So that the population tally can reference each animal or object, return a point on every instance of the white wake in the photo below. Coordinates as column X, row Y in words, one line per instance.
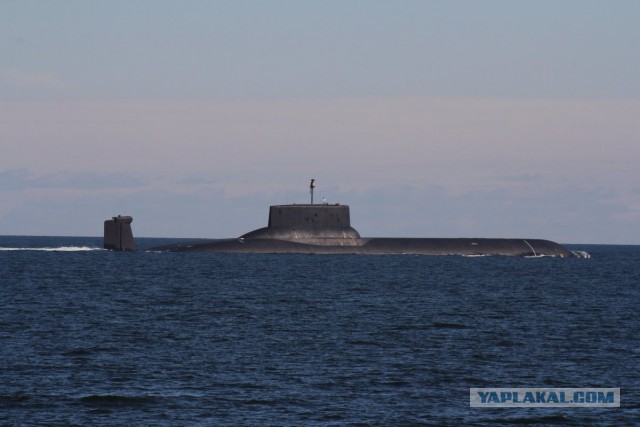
column 58, row 249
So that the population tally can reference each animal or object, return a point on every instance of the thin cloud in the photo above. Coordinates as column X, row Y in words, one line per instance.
column 30, row 80
column 526, row 177
column 23, row 179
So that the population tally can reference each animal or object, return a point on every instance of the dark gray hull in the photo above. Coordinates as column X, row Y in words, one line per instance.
column 326, row 229
column 418, row 246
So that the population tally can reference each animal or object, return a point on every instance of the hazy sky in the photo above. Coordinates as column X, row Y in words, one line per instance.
column 429, row 118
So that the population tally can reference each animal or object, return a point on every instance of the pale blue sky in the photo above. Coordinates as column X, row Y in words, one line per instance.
column 430, row 118
column 276, row 49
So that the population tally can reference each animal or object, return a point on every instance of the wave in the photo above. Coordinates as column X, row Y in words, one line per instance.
column 57, row 249
column 449, row 325
column 111, row 400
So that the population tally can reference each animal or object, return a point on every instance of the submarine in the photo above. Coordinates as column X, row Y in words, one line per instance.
column 326, row 229
column 118, row 235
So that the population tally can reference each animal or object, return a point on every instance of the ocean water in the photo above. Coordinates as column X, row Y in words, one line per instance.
column 93, row 337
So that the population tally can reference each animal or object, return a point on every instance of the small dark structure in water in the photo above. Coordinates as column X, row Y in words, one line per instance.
column 118, row 235
column 326, row 229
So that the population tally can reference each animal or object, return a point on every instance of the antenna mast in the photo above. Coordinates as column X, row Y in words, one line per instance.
column 311, row 187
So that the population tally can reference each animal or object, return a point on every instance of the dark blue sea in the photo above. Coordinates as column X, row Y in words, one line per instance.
column 93, row 337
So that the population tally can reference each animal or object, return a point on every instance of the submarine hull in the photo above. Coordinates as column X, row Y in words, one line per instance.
column 380, row 246
column 326, row 229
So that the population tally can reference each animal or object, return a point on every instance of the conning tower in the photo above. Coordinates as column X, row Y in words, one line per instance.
column 325, row 225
